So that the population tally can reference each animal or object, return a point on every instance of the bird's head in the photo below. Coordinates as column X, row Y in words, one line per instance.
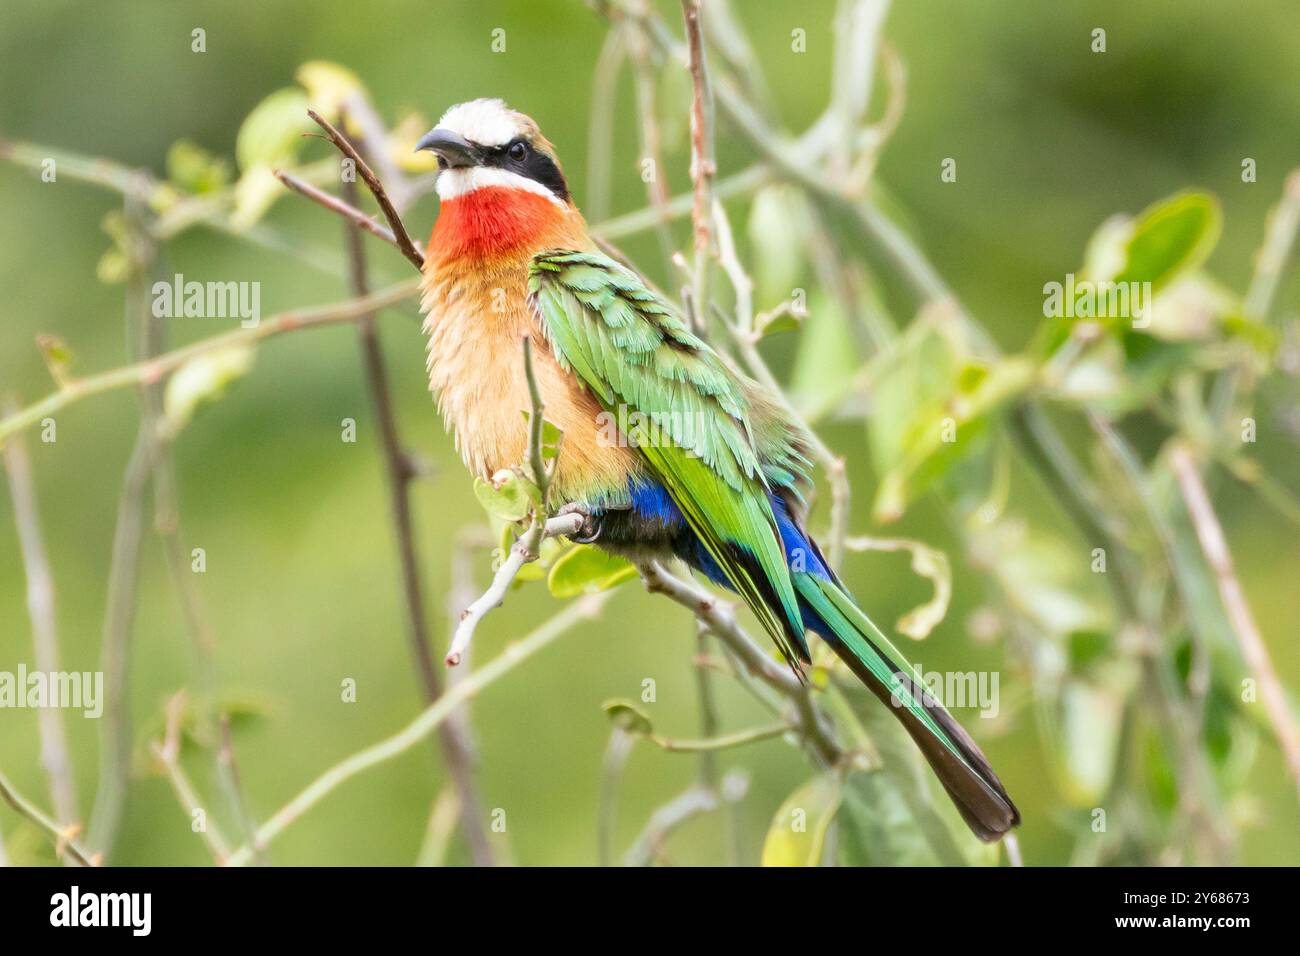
column 483, row 144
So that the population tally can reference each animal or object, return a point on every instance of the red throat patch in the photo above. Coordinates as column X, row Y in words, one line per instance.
column 491, row 221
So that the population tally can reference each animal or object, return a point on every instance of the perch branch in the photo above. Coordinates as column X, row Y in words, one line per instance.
column 719, row 618
column 522, row 553
column 525, row 549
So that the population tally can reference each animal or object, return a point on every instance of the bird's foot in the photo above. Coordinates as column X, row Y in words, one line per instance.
column 589, row 530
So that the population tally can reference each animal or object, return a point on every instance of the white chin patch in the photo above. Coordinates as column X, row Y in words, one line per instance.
column 453, row 183
column 486, row 122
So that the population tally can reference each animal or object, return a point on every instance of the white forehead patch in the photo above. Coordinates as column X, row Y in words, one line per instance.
column 485, row 122
column 453, row 183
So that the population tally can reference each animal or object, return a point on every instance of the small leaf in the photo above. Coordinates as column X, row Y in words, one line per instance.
column 1086, row 647
column 878, row 828
column 1171, row 237
column 113, row 267
column 585, row 569
column 194, row 169
column 942, row 434
column 401, row 144
column 632, row 719
column 328, row 86
column 1090, row 732
column 56, row 354
column 778, row 229
column 255, row 193
column 826, row 359
column 202, row 379
column 797, row 836
column 506, row 496
column 271, row 134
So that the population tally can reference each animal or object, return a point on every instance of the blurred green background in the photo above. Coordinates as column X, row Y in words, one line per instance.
column 301, row 586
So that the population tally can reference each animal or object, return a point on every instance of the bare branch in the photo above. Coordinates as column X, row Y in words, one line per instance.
column 703, row 167
column 45, row 638
column 398, row 473
column 168, row 754
column 336, row 205
column 64, row 838
column 153, row 369
column 1215, row 547
column 721, row 621
column 344, row 146
column 522, row 553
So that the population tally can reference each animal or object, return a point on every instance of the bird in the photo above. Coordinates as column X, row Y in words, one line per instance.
column 702, row 464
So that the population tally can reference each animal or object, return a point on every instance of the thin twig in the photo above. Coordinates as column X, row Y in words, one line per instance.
column 64, row 838
column 617, row 751
column 703, row 167
column 45, row 638
column 336, row 205
column 399, row 472
column 153, row 369
column 124, row 568
column 687, row 805
column 168, row 754
column 1215, row 547
column 232, row 783
column 344, row 146
column 542, row 526
column 523, row 552
column 583, row 608
column 721, row 621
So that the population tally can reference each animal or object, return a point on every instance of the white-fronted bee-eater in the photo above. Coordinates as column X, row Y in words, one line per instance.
column 714, row 472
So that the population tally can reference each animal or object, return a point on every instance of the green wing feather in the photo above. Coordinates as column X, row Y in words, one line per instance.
column 688, row 416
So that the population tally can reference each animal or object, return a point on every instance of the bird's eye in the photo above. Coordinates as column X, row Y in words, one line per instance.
column 518, row 150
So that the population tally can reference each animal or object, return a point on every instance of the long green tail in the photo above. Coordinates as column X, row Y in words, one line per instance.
column 956, row 760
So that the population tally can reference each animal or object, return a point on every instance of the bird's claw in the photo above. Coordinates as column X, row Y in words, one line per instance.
column 589, row 530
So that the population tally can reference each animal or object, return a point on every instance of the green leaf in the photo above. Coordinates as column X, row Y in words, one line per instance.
column 255, row 193
column 271, row 134
column 877, row 827
column 1086, row 647
column 328, row 86
column 1090, row 732
column 551, row 435
column 57, row 356
column 631, row 718
column 942, row 434
column 779, row 225
column 827, row 358
column 507, row 496
column 585, row 569
column 797, row 836
column 1171, row 237
column 203, row 379
column 194, row 170
column 949, row 841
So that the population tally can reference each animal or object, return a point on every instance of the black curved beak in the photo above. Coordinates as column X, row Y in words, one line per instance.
column 454, row 151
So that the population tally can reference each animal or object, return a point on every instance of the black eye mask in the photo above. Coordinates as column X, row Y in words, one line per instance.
column 533, row 164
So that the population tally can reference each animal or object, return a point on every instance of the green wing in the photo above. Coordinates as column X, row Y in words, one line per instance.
column 686, row 412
